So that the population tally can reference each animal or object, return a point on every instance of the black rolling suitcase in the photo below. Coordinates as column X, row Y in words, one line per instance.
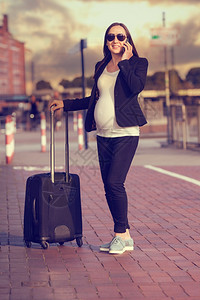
column 52, row 212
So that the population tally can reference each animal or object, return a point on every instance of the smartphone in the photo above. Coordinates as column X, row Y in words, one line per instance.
column 127, row 40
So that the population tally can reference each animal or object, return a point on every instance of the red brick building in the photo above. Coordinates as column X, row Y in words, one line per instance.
column 12, row 65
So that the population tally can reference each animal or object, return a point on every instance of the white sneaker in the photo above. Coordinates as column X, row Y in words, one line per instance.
column 105, row 247
column 119, row 246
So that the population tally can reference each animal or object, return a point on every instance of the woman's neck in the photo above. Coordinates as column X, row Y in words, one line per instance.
column 115, row 59
column 113, row 63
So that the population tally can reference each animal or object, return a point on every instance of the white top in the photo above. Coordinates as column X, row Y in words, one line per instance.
column 104, row 113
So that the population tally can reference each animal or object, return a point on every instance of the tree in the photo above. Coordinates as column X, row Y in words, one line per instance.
column 175, row 81
column 193, row 76
column 156, row 81
column 77, row 82
column 43, row 85
column 65, row 83
column 90, row 81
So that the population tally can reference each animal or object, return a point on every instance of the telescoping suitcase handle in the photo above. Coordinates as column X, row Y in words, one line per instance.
column 52, row 147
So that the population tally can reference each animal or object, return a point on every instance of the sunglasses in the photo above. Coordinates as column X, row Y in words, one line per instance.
column 121, row 37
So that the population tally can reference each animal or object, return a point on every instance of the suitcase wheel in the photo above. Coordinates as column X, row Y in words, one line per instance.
column 79, row 241
column 28, row 244
column 45, row 245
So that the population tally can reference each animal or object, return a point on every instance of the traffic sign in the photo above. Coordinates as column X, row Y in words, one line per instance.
column 76, row 48
column 163, row 36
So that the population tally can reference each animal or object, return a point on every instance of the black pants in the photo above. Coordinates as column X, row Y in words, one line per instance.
column 115, row 157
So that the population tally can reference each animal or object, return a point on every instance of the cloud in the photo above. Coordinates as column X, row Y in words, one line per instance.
column 41, row 14
column 188, row 48
column 32, row 21
column 50, row 29
column 55, row 63
column 36, row 6
column 169, row 2
column 28, row 18
column 186, row 53
column 151, row 2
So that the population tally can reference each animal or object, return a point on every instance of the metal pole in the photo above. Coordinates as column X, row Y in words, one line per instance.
column 52, row 146
column 198, row 122
column 172, row 58
column 66, row 147
column 33, row 75
column 83, row 90
column 184, row 130
column 167, row 90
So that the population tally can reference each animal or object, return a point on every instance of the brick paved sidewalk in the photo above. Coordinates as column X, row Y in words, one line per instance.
column 164, row 214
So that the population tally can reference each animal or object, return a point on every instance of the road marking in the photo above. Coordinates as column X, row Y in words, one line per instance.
column 188, row 179
column 32, row 168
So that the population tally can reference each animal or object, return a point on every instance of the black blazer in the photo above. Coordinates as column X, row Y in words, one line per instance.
column 129, row 83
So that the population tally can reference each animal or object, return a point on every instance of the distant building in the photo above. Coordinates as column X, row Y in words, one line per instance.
column 12, row 65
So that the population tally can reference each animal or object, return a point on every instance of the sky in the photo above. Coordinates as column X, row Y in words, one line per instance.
column 50, row 29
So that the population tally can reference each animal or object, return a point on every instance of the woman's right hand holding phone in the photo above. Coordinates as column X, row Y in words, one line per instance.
column 127, row 50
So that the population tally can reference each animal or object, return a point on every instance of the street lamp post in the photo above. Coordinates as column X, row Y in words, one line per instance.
column 83, row 44
column 167, row 90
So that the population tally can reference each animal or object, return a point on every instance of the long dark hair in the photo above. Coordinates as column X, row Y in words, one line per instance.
column 106, row 51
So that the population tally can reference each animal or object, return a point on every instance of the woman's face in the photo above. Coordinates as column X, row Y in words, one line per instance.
column 116, row 46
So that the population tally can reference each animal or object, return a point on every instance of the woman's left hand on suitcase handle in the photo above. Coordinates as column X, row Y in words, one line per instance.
column 56, row 104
